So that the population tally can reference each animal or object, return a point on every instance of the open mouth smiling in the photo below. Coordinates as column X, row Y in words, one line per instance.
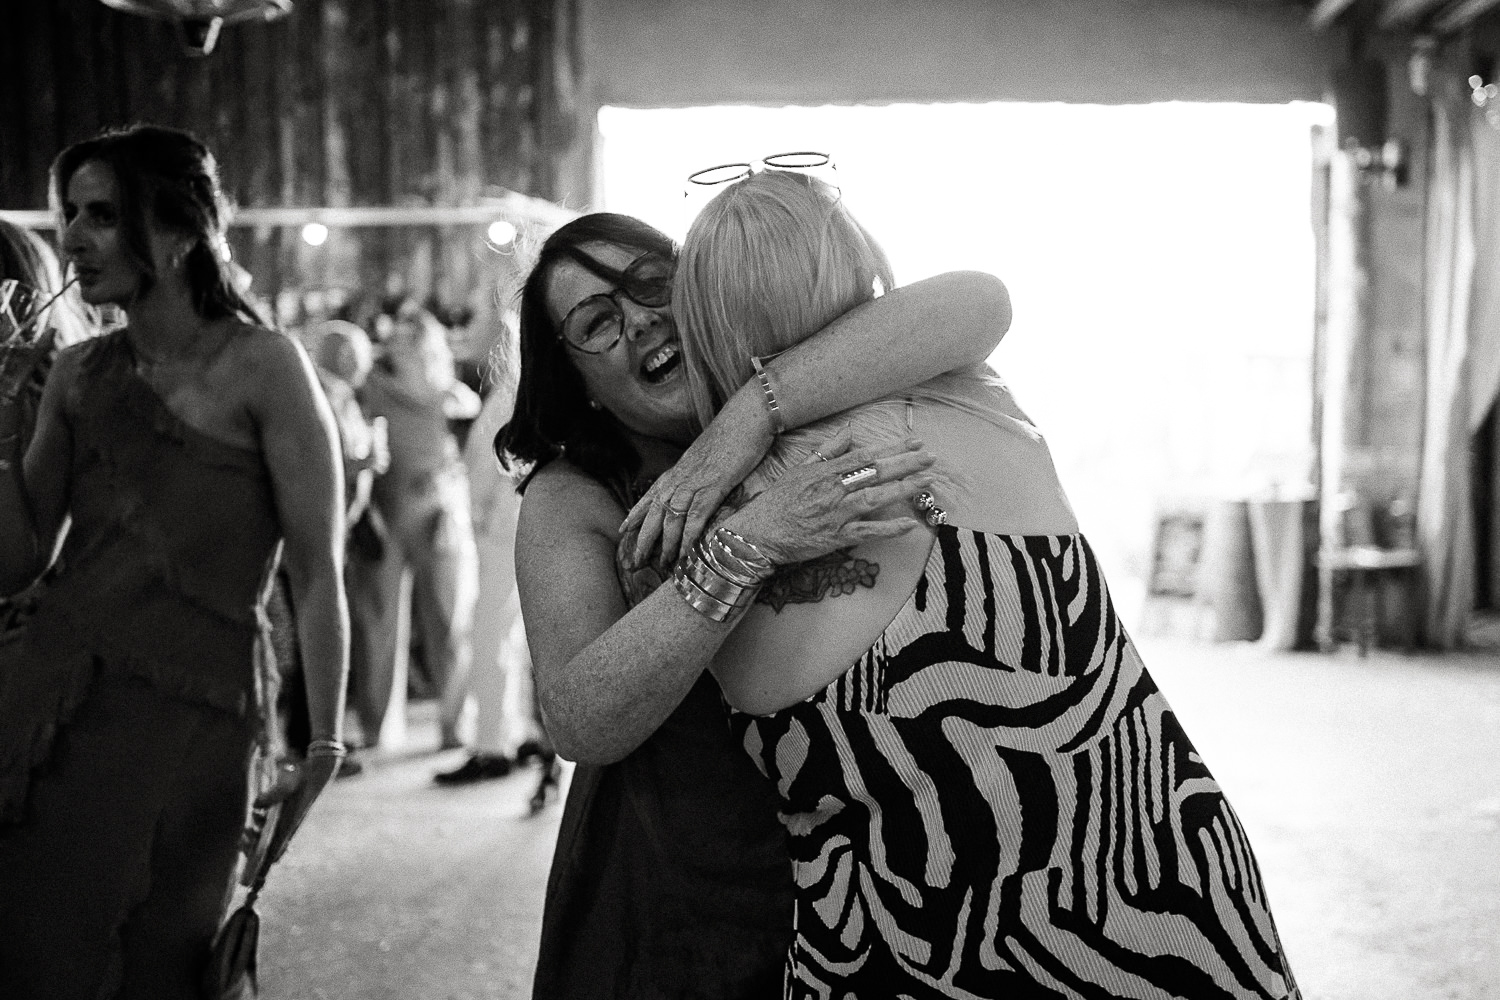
column 661, row 363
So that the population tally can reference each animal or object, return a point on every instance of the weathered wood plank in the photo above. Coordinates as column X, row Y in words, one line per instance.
column 425, row 103
column 1328, row 11
column 1398, row 13
column 1463, row 14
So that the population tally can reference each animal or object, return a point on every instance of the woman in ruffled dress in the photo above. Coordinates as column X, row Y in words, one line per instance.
column 174, row 461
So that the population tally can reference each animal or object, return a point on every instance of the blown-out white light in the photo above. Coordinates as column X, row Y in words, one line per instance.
column 1159, row 257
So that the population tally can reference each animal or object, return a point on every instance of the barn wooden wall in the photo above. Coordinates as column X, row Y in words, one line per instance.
column 344, row 102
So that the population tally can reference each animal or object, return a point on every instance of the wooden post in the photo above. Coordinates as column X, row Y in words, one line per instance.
column 1346, row 360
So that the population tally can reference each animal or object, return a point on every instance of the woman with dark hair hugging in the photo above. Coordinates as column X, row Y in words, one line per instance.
column 176, row 459
column 985, row 793
column 671, row 876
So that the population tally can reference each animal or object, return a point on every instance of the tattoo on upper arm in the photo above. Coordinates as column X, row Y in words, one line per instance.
column 833, row 575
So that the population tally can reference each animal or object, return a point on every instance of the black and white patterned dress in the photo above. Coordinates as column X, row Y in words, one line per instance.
column 996, row 801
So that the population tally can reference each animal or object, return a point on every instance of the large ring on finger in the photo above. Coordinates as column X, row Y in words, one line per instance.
column 863, row 474
column 674, row 512
column 820, row 456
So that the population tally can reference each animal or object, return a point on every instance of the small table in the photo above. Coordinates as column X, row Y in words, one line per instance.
column 1367, row 563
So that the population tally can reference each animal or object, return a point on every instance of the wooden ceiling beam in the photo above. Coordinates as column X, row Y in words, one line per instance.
column 1328, row 11
column 1402, row 12
column 1464, row 13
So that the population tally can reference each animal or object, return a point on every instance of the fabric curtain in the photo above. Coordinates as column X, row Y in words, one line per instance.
column 1444, row 521
column 1484, row 310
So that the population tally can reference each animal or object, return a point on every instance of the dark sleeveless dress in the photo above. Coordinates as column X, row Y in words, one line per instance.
column 671, row 878
column 127, row 693
column 996, row 801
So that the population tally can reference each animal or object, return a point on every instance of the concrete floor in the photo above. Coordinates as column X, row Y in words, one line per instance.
column 1370, row 788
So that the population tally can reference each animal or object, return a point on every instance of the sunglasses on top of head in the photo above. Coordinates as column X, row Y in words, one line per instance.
column 597, row 323
column 816, row 164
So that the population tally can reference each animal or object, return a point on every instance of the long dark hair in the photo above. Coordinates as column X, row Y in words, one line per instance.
column 172, row 175
column 552, row 415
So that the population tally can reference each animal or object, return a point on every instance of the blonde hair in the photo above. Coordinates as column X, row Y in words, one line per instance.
column 771, row 260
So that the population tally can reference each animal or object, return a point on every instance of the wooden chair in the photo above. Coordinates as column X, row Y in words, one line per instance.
column 1368, row 566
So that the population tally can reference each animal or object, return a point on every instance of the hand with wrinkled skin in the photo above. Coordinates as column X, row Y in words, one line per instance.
column 809, row 512
column 682, row 501
column 909, row 335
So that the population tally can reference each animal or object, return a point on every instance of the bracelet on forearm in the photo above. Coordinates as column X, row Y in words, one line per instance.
column 706, row 605
column 741, row 556
column 327, row 748
column 711, row 582
column 708, row 591
column 777, row 424
column 722, row 561
column 714, row 582
column 703, row 578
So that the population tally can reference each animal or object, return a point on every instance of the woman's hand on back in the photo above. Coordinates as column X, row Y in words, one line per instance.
column 809, row 511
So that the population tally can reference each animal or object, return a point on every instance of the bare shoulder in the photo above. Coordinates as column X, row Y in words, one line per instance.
column 270, row 353
column 268, row 370
column 561, row 489
column 561, row 498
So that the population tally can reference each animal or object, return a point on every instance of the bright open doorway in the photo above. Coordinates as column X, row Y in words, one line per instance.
column 1160, row 260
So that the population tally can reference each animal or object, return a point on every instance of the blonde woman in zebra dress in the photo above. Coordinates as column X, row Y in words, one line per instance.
column 985, row 793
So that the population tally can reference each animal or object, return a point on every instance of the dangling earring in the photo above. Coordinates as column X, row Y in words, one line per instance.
column 594, row 405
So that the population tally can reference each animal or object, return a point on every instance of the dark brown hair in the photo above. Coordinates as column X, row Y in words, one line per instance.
column 171, row 175
column 552, row 415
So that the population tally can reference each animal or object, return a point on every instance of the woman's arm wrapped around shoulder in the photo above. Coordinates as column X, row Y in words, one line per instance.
column 900, row 340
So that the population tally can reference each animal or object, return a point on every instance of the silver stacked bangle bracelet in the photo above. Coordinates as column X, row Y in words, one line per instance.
column 720, row 576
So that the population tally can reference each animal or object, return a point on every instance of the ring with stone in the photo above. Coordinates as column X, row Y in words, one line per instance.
column 863, row 474
column 821, row 457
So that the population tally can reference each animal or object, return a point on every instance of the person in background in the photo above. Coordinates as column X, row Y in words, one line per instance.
column 30, row 265
column 671, row 876
column 507, row 726
column 174, row 458
column 344, row 357
column 427, row 575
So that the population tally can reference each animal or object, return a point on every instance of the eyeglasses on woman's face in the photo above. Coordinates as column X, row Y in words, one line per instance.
column 597, row 323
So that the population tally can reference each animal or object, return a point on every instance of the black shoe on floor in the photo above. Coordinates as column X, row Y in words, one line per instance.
column 533, row 750
column 479, row 767
column 546, row 787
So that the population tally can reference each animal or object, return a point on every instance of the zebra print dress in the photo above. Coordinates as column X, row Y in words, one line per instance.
column 996, row 801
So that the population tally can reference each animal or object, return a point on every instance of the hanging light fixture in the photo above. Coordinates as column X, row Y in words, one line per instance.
column 198, row 21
